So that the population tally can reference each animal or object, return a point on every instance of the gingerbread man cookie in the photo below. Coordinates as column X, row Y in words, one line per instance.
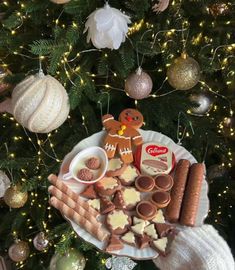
column 122, row 133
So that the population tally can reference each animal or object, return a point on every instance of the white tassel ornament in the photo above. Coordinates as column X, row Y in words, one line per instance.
column 107, row 27
column 39, row 103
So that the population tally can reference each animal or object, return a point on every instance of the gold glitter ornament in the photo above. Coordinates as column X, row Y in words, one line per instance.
column 138, row 84
column 19, row 251
column 183, row 73
column 14, row 197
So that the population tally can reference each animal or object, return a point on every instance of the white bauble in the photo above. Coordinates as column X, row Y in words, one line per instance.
column 4, row 183
column 107, row 27
column 40, row 103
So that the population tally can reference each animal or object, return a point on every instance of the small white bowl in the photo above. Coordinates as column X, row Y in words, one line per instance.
column 77, row 163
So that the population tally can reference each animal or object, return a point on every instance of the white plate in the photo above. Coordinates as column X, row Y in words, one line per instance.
column 148, row 136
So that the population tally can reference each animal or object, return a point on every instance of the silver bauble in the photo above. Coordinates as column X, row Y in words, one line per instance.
column 204, row 102
column 183, row 73
column 139, row 84
column 40, row 241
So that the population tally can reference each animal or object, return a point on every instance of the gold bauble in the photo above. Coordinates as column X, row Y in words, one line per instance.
column 19, row 251
column 60, row 1
column 183, row 73
column 14, row 197
column 219, row 8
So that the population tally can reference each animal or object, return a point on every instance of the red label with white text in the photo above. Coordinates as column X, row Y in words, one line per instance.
column 154, row 158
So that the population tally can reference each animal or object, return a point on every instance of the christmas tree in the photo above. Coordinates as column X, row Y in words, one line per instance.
column 180, row 52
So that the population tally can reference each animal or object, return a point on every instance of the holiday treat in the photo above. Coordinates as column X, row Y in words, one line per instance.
column 106, row 206
column 151, row 231
column 177, row 192
column 72, row 195
column 129, row 238
column 93, row 163
column 130, row 197
column 97, row 231
column 146, row 210
column 159, row 218
column 163, row 229
column 95, row 203
column 160, row 199
column 144, row 183
column 121, row 133
column 85, row 174
column 107, row 186
column 154, row 158
column 160, row 245
column 114, row 244
column 72, row 204
column 192, row 195
column 140, row 220
column 115, row 167
column 163, row 182
column 129, row 175
column 118, row 221
column 139, row 228
column 142, row 241
column 118, row 200
column 89, row 192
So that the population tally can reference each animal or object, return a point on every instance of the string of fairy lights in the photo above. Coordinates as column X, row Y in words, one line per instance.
column 164, row 38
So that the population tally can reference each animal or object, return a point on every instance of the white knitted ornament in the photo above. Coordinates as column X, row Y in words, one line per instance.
column 107, row 27
column 40, row 103
column 199, row 248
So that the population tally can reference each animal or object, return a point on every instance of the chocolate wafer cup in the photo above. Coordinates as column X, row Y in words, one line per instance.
column 177, row 191
column 192, row 195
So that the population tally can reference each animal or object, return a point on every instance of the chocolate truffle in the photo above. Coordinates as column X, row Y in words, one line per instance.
column 85, row 174
column 163, row 182
column 93, row 163
column 146, row 210
column 144, row 183
column 160, row 199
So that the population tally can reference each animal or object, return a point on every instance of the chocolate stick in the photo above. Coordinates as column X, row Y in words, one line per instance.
column 192, row 195
column 177, row 192
column 74, row 196
column 97, row 232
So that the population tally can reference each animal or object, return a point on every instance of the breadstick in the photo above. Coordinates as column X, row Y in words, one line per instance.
column 72, row 195
column 98, row 233
column 192, row 195
column 177, row 192
column 65, row 198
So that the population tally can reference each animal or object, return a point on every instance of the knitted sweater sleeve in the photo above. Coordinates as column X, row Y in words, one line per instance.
column 197, row 248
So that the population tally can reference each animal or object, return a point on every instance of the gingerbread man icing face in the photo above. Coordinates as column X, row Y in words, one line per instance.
column 131, row 117
column 122, row 134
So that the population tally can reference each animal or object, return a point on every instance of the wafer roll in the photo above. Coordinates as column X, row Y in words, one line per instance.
column 72, row 204
column 97, row 232
column 192, row 195
column 72, row 195
column 177, row 191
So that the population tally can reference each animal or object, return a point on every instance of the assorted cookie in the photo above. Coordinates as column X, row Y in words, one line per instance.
column 107, row 186
column 118, row 221
column 129, row 175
